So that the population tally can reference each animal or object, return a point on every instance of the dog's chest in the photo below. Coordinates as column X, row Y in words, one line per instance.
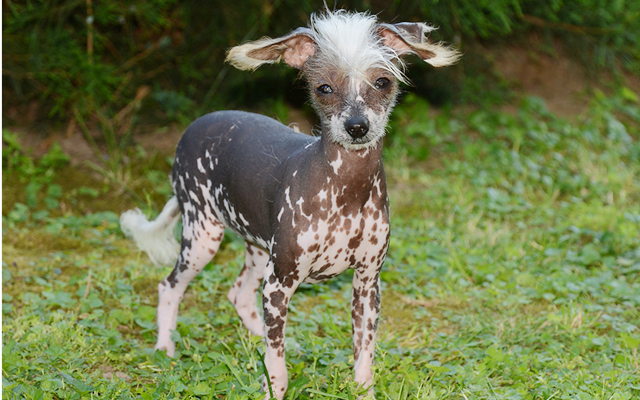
column 331, row 236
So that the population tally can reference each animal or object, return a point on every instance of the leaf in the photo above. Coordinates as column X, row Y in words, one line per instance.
column 629, row 95
column 629, row 341
column 146, row 313
column 589, row 254
column 6, row 274
column 51, row 203
column 20, row 213
column 437, row 369
column 54, row 190
column 7, row 308
column 32, row 190
column 201, row 389
column 80, row 386
column 62, row 299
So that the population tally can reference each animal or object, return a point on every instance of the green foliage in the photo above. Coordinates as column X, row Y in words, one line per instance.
column 599, row 32
column 15, row 160
column 513, row 272
column 38, row 176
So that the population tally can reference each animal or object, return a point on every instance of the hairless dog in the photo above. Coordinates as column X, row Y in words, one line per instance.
column 308, row 207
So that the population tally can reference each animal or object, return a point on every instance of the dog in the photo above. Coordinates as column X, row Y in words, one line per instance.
column 308, row 207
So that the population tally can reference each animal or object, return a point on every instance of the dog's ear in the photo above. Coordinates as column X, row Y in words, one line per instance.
column 411, row 38
column 294, row 48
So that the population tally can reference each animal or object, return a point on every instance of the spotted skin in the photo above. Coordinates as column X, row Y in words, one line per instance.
column 308, row 207
column 243, row 292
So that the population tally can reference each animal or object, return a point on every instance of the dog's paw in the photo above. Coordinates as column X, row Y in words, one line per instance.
column 169, row 348
column 255, row 326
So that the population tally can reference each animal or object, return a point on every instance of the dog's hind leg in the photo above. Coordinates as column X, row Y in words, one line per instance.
column 243, row 292
column 200, row 242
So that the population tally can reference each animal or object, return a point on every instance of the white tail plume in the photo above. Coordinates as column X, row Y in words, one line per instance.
column 154, row 237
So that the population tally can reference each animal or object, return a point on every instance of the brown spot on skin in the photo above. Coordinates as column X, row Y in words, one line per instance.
column 370, row 325
column 314, row 247
column 276, row 330
column 277, row 301
column 367, row 211
column 254, row 315
column 355, row 241
column 356, row 352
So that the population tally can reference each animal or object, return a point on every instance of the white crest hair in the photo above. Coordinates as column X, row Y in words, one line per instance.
column 349, row 41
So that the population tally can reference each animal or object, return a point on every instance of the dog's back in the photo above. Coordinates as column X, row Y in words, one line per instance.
column 223, row 161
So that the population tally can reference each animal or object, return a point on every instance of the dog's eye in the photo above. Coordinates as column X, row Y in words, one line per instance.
column 324, row 89
column 382, row 83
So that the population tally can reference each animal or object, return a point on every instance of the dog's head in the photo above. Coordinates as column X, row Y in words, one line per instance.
column 352, row 65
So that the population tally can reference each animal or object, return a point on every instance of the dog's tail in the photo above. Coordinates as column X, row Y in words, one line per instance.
column 154, row 237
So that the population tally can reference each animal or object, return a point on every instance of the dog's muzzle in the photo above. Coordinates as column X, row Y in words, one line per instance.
column 357, row 127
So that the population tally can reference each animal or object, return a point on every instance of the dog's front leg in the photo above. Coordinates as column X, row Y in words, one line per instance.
column 276, row 294
column 365, row 308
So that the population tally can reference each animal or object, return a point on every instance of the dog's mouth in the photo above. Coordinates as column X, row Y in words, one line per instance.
column 354, row 132
column 357, row 143
column 361, row 140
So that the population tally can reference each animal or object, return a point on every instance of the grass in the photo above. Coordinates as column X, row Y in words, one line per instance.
column 513, row 273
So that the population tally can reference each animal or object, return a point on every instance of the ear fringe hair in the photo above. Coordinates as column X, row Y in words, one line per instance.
column 445, row 55
column 238, row 55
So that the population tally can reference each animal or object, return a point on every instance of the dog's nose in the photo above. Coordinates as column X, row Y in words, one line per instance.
column 357, row 127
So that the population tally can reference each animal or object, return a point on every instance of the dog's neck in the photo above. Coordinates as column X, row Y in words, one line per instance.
column 353, row 170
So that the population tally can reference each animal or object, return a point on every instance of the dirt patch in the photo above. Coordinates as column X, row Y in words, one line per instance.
column 163, row 140
column 554, row 76
column 558, row 80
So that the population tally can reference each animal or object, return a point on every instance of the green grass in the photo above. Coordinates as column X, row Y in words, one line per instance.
column 513, row 273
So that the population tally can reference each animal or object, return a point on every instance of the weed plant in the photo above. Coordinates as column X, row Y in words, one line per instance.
column 513, row 273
